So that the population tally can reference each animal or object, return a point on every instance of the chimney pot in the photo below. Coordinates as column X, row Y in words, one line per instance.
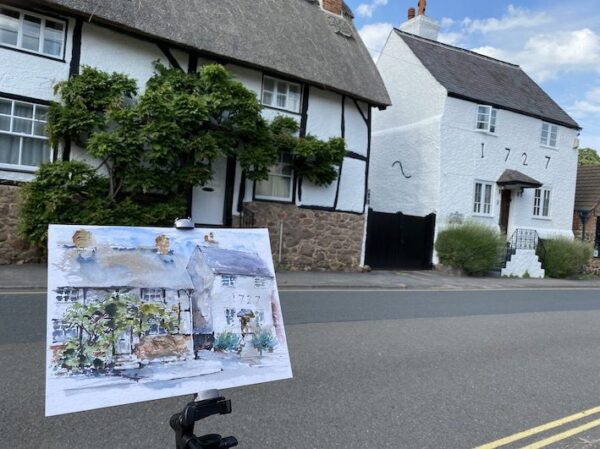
column 333, row 6
column 411, row 13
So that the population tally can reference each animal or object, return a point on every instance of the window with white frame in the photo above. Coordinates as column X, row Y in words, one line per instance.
column 281, row 94
column 279, row 186
column 541, row 203
column 67, row 295
column 32, row 32
column 260, row 282
column 153, row 295
column 23, row 141
column 486, row 118
column 549, row 136
column 482, row 203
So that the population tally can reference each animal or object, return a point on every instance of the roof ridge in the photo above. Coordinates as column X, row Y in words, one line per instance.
column 458, row 49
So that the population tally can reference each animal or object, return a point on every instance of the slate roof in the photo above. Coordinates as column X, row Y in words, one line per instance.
column 226, row 261
column 516, row 178
column 289, row 37
column 587, row 193
column 474, row 77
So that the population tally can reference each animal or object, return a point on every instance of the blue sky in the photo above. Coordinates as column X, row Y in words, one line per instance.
column 556, row 42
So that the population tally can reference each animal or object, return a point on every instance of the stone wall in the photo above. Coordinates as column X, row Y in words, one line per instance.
column 312, row 239
column 12, row 248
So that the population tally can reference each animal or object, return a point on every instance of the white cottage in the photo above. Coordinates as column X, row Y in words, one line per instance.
column 303, row 59
column 467, row 137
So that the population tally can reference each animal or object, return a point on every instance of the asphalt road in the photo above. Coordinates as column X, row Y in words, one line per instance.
column 395, row 369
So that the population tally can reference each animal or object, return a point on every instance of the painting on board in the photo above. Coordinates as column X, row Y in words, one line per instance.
column 137, row 314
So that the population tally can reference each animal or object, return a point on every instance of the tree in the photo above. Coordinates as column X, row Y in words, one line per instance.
column 588, row 156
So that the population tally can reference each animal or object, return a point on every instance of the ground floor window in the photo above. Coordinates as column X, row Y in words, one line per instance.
column 279, row 186
column 541, row 203
column 482, row 203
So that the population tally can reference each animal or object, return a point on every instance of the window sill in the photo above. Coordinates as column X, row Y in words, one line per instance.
column 274, row 200
column 19, row 168
column 275, row 108
column 547, row 147
column 542, row 218
column 482, row 215
column 487, row 133
column 33, row 53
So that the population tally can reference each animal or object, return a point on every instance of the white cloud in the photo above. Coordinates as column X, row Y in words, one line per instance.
column 514, row 18
column 451, row 38
column 375, row 35
column 589, row 107
column 367, row 9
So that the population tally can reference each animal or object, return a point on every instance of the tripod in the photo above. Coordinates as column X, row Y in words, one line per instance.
column 210, row 403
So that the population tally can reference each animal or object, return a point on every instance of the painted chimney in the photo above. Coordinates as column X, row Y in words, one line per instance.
column 421, row 25
column 333, row 6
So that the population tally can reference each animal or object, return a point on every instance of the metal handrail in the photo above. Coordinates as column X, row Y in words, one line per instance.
column 525, row 239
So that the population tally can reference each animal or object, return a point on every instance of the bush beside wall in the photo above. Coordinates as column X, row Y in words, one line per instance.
column 471, row 247
column 563, row 257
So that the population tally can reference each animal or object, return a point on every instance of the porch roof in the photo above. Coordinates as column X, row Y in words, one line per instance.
column 516, row 179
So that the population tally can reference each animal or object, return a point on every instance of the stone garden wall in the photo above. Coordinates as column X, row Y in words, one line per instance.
column 13, row 250
column 312, row 239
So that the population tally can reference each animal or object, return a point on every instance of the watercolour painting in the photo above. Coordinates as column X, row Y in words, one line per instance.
column 137, row 314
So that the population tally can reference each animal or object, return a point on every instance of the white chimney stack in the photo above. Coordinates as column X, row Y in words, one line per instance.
column 421, row 25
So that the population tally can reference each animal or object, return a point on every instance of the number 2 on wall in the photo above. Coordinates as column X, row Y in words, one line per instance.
column 524, row 156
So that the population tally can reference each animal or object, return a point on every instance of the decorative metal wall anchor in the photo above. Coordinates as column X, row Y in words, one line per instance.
column 401, row 169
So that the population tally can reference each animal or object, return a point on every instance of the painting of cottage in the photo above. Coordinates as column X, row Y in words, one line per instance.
column 157, row 313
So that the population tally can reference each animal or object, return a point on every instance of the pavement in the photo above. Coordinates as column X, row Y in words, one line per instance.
column 34, row 277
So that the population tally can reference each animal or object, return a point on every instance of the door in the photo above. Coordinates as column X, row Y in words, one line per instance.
column 505, row 209
column 398, row 241
column 208, row 201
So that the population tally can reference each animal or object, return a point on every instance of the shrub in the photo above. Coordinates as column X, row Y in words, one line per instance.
column 227, row 342
column 73, row 193
column 563, row 257
column 472, row 247
column 264, row 340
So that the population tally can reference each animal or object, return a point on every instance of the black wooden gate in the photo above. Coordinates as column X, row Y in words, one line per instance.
column 399, row 241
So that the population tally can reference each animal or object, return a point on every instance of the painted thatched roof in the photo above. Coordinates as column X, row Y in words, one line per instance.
column 587, row 193
column 517, row 179
column 474, row 77
column 226, row 261
column 295, row 38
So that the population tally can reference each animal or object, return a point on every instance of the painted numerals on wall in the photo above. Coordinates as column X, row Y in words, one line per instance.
column 507, row 154
column 524, row 156
column 548, row 158
column 401, row 169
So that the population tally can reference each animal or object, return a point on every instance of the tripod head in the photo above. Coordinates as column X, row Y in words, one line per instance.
column 183, row 423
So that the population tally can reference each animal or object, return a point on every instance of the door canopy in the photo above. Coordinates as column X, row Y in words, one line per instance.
column 513, row 179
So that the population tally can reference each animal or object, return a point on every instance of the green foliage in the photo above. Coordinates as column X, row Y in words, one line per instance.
column 472, row 247
column 588, row 156
column 99, row 324
column 227, row 342
column 264, row 340
column 563, row 257
column 74, row 193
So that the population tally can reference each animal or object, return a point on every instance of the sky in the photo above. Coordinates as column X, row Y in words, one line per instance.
column 556, row 42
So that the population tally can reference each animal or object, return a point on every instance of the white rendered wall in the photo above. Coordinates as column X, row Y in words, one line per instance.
column 356, row 130
column 408, row 132
column 352, row 186
column 461, row 164
column 111, row 51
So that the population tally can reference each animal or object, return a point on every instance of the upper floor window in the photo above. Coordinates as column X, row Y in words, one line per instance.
column 32, row 32
column 23, row 142
column 482, row 203
column 549, row 135
column 279, row 186
column 541, row 203
column 486, row 118
column 281, row 94
column 228, row 280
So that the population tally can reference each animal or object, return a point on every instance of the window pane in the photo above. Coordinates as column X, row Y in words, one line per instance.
column 280, row 101
column 546, row 207
column 53, row 38
column 22, row 126
column 9, row 26
column 269, row 85
column 281, row 187
column 282, row 88
column 4, row 123
column 35, row 151
column 5, row 107
column 9, row 149
column 265, row 188
column 24, row 110
column 493, row 121
column 294, row 99
column 488, row 199
column 268, row 98
column 41, row 113
column 39, row 129
column 31, row 33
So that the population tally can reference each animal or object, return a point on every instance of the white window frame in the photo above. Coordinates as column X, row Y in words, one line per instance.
column 19, row 46
column 20, row 166
column 228, row 280
column 274, row 93
column 481, row 207
column 67, row 295
column 277, row 171
column 549, row 129
column 542, row 203
column 490, row 125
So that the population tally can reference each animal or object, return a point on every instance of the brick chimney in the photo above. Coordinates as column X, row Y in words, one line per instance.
column 333, row 6
column 411, row 13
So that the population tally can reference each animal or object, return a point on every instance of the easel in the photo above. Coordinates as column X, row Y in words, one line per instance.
column 206, row 404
